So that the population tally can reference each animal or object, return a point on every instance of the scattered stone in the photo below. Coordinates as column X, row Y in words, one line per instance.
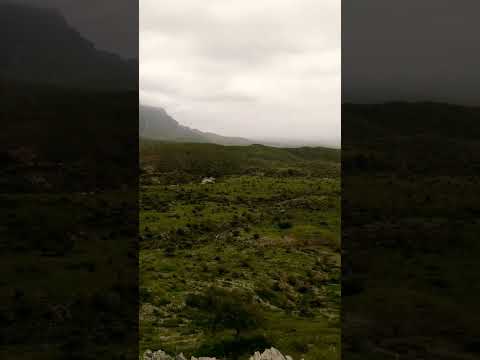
column 156, row 355
column 148, row 169
column 268, row 354
column 208, row 180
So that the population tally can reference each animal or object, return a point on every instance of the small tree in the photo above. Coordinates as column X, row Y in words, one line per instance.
column 228, row 309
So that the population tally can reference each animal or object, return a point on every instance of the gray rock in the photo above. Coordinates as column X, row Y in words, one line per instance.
column 180, row 357
column 156, row 355
column 268, row 354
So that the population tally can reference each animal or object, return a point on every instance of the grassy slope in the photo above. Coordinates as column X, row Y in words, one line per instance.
column 410, row 231
column 229, row 234
column 60, row 253
column 210, row 159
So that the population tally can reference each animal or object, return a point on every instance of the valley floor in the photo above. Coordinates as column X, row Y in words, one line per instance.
column 264, row 250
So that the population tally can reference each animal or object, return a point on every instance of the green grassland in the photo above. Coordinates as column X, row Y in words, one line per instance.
column 410, row 231
column 263, row 240
column 185, row 162
column 67, row 288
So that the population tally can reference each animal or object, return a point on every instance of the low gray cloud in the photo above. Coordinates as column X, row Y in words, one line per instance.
column 264, row 68
column 411, row 50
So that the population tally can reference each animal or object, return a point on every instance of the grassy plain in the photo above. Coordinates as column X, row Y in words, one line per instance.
column 66, row 272
column 410, row 231
column 266, row 233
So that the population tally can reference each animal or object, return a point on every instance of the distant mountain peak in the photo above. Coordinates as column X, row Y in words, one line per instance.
column 156, row 124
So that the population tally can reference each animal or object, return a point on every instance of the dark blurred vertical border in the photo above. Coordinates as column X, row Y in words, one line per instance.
column 410, row 173
column 68, row 179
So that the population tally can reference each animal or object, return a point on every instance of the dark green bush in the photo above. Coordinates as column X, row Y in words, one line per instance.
column 285, row 225
column 233, row 348
column 227, row 309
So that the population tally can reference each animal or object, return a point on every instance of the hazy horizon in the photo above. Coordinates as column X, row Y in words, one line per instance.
column 263, row 69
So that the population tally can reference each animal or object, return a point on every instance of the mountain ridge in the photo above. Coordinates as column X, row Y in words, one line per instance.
column 156, row 124
column 50, row 51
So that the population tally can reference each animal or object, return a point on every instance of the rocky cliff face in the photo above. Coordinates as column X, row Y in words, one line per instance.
column 268, row 354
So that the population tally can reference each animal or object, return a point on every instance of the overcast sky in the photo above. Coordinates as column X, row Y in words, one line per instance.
column 411, row 50
column 252, row 68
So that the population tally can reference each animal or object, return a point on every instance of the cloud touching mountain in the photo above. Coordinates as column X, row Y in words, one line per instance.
column 156, row 124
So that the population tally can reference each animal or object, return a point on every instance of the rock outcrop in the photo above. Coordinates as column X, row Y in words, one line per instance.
column 268, row 354
column 156, row 355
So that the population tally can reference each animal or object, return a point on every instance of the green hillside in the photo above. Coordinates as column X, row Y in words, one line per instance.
column 410, row 231
column 216, row 160
column 245, row 262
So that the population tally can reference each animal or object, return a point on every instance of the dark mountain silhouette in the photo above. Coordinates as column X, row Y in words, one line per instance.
column 156, row 124
column 63, row 102
column 39, row 46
